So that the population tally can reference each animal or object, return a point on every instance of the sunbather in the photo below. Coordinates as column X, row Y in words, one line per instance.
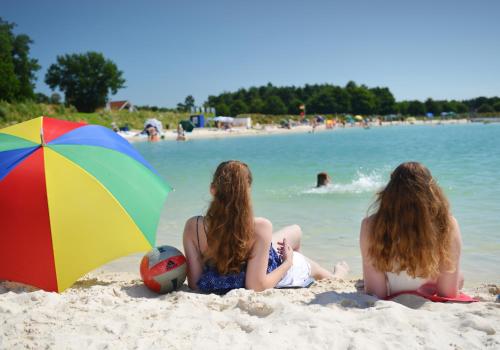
column 411, row 241
column 229, row 248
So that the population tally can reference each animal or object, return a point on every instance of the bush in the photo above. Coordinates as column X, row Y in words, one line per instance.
column 496, row 107
column 485, row 108
column 3, row 113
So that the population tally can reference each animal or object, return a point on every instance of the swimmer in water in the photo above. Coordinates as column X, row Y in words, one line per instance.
column 323, row 179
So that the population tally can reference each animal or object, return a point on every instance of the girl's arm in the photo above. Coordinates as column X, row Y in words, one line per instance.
column 374, row 280
column 193, row 255
column 449, row 281
column 257, row 277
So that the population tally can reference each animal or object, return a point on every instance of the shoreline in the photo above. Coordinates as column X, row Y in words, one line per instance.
column 115, row 310
column 210, row 133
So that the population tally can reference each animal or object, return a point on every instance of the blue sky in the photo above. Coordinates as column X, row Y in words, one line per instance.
column 169, row 49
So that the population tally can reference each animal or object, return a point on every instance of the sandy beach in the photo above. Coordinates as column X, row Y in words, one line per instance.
column 108, row 310
column 207, row 133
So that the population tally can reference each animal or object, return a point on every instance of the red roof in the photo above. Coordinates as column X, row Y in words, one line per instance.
column 117, row 104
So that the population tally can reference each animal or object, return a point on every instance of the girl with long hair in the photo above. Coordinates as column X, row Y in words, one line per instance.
column 411, row 241
column 228, row 248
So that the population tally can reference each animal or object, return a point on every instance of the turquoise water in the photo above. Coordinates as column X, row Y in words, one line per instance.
column 465, row 159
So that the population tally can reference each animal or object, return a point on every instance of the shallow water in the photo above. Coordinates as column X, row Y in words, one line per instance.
column 465, row 159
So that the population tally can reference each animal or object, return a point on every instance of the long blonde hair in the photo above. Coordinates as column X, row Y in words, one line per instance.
column 230, row 221
column 411, row 228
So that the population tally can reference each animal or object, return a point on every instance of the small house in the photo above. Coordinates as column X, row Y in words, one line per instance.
column 120, row 105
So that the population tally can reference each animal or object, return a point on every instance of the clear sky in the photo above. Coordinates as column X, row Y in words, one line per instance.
column 168, row 49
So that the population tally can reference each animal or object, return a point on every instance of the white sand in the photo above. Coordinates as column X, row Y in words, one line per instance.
column 206, row 133
column 115, row 311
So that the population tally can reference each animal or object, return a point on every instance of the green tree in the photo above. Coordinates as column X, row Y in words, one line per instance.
column 293, row 107
column 189, row 102
column 238, row 107
column 384, row 101
column 402, row 107
column 416, row 108
column 222, row 109
column 459, row 107
column 496, row 107
column 342, row 100
column 86, row 79
column 362, row 101
column 24, row 66
column 485, row 108
column 274, row 105
column 17, row 69
column 433, row 107
column 41, row 98
column 55, row 98
column 322, row 103
column 9, row 84
column 256, row 105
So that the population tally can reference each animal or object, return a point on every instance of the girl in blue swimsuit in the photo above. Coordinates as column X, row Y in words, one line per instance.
column 228, row 248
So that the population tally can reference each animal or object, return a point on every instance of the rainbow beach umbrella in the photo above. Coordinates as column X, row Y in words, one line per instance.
column 72, row 197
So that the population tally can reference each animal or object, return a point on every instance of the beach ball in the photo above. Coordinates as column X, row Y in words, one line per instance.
column 163, row 269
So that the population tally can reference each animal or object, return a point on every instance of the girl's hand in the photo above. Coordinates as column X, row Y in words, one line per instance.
column 286, row 252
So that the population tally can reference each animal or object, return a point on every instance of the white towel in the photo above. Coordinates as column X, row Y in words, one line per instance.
column 298, row 274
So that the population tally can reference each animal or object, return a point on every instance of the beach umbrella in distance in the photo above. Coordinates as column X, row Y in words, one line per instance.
column 187, row 125
column 72, row 198
column 358, row 117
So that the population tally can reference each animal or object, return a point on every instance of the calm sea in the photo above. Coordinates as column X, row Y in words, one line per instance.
column 465, row 159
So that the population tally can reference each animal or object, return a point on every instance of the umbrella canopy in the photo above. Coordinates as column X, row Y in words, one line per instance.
column 154, row 122
column 73, row 197
column 224, row 119
column 358, row 117
column 187, row 125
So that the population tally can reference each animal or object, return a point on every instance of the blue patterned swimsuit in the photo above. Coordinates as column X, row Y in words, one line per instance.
column 213, row 282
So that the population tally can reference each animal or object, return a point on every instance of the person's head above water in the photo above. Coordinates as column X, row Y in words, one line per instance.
column 230, row 217
column 412, row 224
column 322, row 179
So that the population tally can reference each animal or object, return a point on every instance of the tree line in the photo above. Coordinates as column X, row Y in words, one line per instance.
column 87, row 80
column 331, row 99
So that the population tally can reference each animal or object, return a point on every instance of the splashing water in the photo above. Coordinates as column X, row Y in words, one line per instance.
column 361, row 183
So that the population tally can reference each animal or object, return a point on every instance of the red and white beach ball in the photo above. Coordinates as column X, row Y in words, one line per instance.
column 163, row 269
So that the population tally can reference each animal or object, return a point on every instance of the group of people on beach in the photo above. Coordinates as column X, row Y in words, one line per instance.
column 409, row 241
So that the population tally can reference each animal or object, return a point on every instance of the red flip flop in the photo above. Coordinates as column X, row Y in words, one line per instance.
column 460, row 298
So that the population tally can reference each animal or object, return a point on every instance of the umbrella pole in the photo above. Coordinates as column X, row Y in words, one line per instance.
column 42, row 141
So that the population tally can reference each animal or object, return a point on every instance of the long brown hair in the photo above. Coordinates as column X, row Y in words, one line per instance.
column 411, row 227
column 230, row 221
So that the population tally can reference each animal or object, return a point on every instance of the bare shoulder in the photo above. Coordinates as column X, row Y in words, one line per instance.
column 190, row 227
column 367, row 221
column 455, row 229
column 366, row 224
column 263, row 229
column 364, row 233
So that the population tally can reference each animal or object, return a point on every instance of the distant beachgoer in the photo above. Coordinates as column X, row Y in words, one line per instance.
column 229, row 248
column 323, row 179
column 314, row 124
column 411, row 242
column 114, row 127
column 181, row 136
column 152, row 133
